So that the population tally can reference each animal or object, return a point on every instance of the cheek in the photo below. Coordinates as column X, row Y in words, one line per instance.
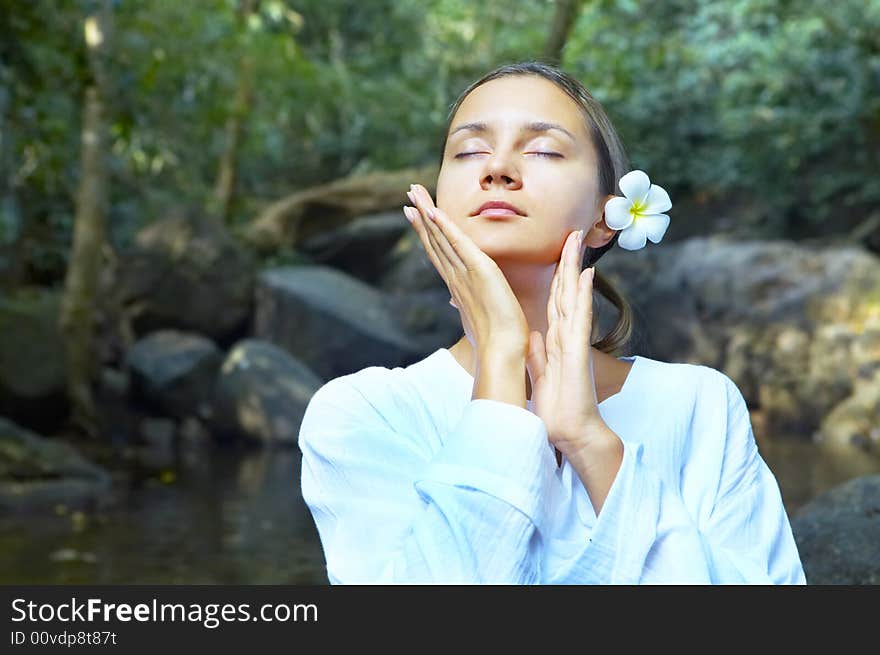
column 453, row 195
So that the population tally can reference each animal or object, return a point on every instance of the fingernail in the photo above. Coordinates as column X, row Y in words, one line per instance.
column 430, row 213
column 407, row 214
column 409, row 195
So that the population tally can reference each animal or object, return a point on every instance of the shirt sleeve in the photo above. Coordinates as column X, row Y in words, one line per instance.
column 646, row 534
column 388, row 512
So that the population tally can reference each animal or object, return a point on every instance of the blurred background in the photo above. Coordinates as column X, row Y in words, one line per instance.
column 200, row 224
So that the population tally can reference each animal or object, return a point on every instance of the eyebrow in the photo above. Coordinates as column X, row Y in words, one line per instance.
column 534, row 126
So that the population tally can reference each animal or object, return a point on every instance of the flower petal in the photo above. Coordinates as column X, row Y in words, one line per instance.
column 635, row 185
column 657, row 201
column 633, row 237
column 655, row 226
column 617, row 214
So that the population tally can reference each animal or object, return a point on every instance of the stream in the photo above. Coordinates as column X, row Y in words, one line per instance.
column 233, row 516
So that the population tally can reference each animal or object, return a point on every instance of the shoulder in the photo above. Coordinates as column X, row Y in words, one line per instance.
column 700, row 404
column 372, row 401
column 684, row 387
column 347, row 397
column 715, row 448
column 377, row 387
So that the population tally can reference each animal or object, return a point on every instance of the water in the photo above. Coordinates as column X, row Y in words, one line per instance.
column 227, row 516
column 804, row 470
column 223, row 516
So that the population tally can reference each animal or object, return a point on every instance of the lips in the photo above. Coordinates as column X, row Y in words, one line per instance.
column 497, row 208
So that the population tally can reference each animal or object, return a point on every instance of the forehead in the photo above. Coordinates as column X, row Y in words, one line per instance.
column 510, row 102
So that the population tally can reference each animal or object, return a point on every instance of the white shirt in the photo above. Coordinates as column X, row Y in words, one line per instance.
column 408, row 480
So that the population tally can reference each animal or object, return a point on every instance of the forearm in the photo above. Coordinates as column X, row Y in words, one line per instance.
column 597, row 464
column 500, row 375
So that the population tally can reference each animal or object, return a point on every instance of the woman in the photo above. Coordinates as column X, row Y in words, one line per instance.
column 522, row 454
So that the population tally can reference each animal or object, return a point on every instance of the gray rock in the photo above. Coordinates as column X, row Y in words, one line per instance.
column 334, row 323
column 409, row 269
column 174, row 372
column 354, row 246
column 38, row 473
column 185, row 272
column 261, row 394
column 855, row 422
column 157, row 448
column 794, row 326
column 838, row 534
column 426, row 317
column 32, row 359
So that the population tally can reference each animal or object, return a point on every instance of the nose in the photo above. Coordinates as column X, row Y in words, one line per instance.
column 500, row 171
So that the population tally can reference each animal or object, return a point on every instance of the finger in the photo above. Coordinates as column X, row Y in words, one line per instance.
column 421, row 229
column 572, row 270
column 584, row 312
column 436, row 239
column 439, row 240
column 551, row 345
column 552, row 350
column 564, row 265
column 464, row 252
column 572, row 275
column 418, row 222
column 560, row 272
column 552, row 305
column 567, row 285
column 537, row 358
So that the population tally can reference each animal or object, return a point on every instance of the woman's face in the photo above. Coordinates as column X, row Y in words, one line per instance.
column 556, row 191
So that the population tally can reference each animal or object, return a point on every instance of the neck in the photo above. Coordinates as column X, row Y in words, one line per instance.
column 531, row 285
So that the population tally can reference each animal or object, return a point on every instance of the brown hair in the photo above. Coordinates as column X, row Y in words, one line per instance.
column 613, row 164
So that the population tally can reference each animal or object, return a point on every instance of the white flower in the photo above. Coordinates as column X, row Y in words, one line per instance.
column 640, row 213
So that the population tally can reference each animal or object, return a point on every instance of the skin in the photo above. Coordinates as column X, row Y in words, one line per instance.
column 517, row 281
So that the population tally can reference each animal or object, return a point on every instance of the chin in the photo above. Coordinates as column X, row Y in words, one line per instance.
column 515, row 253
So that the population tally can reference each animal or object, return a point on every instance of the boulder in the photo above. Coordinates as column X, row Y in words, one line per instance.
column 838, row 534
column 261, row 394
column 37, row 473
column 184, row 272
column 358, row 247
column 409, row 270
column 32, row 359
column 796, row 327
column 855, row 422
column 173, row 373
column 332, row 322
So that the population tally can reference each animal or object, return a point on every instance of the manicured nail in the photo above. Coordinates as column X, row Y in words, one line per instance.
column 431, row 214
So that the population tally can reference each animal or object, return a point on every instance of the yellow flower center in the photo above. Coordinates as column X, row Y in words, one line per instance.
column 636, row 209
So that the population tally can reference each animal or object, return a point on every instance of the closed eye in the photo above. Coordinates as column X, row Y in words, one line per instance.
column 542, row 154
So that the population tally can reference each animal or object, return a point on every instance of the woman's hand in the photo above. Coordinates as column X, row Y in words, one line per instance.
column 561, row 374
column 490, row 312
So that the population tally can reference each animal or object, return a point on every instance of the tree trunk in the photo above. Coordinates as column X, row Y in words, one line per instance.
column 564, row 19
column 77, row 315
column 224, row 188
column 289, row 220
column 11, row 227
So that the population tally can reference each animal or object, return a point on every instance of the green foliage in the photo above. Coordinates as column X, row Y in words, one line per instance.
column 774, row 101
column 771, row 99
